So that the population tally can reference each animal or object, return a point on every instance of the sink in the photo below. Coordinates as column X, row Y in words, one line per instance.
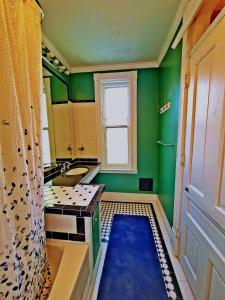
column 77, row 171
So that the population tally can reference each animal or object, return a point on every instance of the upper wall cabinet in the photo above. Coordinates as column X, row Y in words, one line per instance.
column 85, row 128
column 72, row 126
column 62, row 130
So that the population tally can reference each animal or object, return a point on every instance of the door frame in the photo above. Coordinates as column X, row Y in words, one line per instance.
column 181, row 140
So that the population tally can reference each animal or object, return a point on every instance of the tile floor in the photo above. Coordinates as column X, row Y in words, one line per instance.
column 174, row 278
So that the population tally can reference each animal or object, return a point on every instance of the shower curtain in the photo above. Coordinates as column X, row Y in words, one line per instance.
column 24, row 270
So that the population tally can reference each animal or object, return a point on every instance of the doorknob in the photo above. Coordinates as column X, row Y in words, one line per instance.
column 186, row 189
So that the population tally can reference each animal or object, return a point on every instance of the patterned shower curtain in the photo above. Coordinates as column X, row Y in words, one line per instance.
column 23, row 261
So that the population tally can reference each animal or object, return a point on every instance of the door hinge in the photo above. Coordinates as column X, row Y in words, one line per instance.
column 187, row 80
column 182, row 159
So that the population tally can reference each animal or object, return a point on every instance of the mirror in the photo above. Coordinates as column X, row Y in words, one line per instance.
column 55, row 117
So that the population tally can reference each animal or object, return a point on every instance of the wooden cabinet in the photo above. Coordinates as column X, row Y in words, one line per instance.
column 75, row 130
column 85, row 129
column 62, row 130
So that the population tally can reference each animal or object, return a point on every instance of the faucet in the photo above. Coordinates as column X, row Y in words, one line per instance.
column 66, row 166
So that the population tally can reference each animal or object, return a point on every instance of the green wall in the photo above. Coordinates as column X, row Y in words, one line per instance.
column 82, row 88
column 154, row 86
column 169, row 90
column 59, row 91
column 59, row 83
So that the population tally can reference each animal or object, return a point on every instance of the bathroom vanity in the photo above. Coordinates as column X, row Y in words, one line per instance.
column 72, row 204
column 72, row 208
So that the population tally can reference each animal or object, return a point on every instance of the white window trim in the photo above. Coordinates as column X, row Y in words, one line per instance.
column 98, row 80
column 47, row 87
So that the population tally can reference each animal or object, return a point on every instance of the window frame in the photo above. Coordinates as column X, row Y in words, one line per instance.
column 101, row 79
column 50, row 128
column 44, row 110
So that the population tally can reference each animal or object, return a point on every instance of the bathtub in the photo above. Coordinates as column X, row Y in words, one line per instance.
column 70, row 270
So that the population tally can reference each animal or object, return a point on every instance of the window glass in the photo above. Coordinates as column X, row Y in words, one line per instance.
column 46, row 147
column 45, row 134
column 116, row 105
column 117, row 145
column 44, row 111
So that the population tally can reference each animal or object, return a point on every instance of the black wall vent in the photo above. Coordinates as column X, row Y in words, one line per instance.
column 146, row 184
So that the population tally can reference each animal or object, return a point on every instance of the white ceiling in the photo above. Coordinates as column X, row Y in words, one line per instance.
column 106, row 32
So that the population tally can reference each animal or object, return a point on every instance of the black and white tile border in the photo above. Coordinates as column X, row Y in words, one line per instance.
column 108, row 209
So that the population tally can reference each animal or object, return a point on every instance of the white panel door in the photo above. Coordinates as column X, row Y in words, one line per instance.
column 205, row 140
column 203, row 202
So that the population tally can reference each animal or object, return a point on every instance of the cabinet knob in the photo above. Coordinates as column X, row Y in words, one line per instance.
column 81, row 148
column 69, row 148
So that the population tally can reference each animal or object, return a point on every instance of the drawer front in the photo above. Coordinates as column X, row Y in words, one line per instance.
column 60, row 223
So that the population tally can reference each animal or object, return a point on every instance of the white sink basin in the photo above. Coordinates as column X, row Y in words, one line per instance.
column 77, row 171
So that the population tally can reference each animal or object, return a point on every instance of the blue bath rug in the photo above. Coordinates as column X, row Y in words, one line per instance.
column 131, row 269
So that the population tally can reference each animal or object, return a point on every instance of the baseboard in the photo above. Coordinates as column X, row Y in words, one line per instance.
column 129, row 197
column 165, row 221
column 176, row 241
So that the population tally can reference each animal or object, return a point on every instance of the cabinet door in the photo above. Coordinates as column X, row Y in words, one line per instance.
column 85, row 129
column 96, row 234
column 61, row 123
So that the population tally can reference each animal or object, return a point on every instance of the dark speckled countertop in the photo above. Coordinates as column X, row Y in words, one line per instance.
column 54, row 173
column 69, row 180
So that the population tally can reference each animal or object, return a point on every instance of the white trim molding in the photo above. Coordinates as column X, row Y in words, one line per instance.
column 113, row 67
column 129, row 197
column 180, row 153
column 176, row 21
column 165, row 221
column 101, row 82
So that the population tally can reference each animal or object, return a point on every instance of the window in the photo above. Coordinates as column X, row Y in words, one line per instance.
column 115, row 95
